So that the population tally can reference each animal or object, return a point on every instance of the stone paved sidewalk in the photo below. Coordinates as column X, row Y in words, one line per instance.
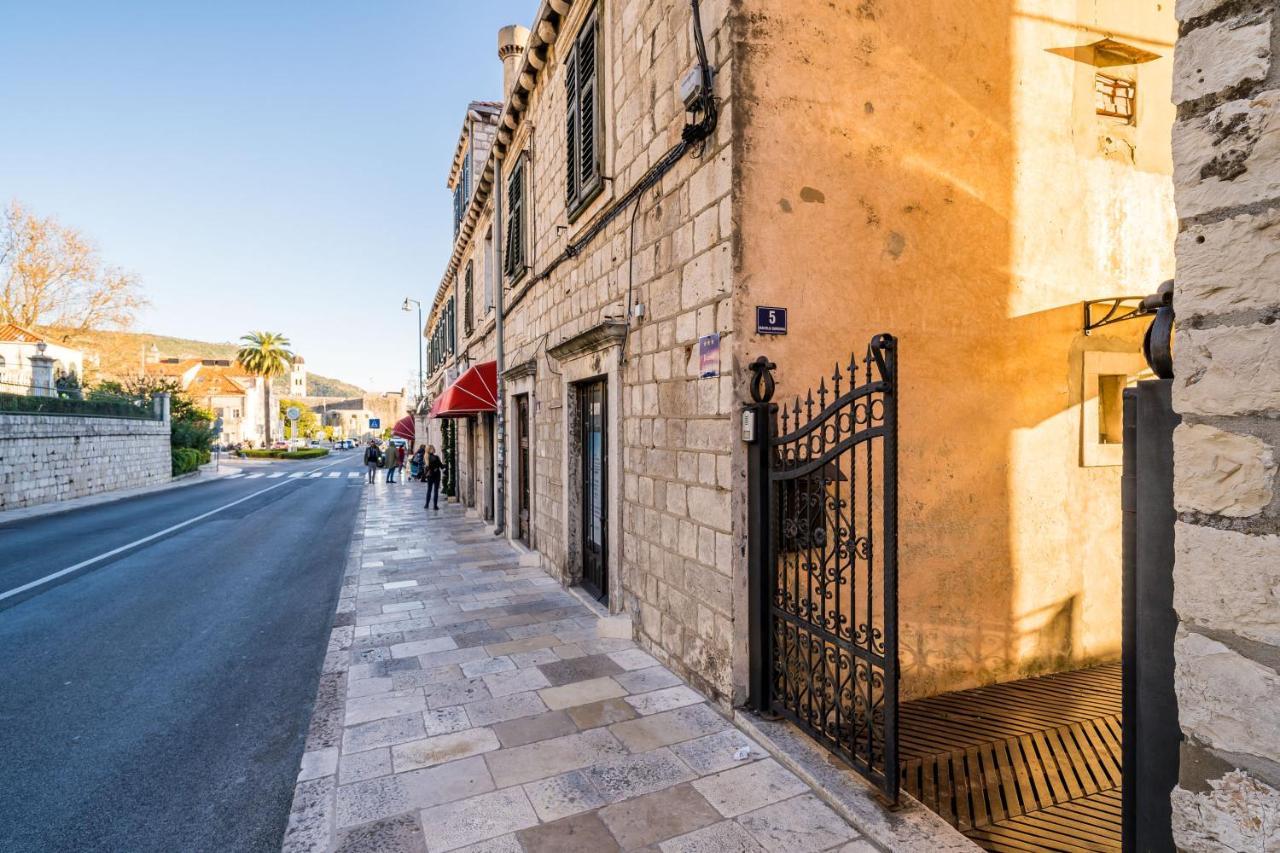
column 467, row 703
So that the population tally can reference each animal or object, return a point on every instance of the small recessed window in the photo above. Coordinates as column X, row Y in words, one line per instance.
column 1114, row 97
column 1111, row 408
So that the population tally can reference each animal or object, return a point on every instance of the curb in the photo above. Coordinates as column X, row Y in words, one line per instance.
column 911, row 826
column 26, row 513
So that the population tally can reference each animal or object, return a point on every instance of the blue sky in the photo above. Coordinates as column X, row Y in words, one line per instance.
column 261, row 165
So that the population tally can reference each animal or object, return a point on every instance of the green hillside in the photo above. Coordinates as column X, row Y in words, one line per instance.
column 120, row 355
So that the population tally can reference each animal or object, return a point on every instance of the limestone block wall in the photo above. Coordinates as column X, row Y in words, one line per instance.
column 675, row 436
column 46, row 458
column 1227, row 356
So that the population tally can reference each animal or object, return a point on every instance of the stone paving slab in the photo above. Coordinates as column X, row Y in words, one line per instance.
column 468, row 703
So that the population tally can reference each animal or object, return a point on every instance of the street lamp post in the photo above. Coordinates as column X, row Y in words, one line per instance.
column 417, row 342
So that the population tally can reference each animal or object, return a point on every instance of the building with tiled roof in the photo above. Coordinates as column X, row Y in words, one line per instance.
column 18, row 345
column 222, row 386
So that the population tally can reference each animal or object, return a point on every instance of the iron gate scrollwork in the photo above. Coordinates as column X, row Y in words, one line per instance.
column 823, row 553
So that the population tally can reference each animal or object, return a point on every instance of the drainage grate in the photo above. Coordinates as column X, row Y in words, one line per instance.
column 1019, row 758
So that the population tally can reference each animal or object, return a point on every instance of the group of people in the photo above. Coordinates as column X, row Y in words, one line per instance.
column 425, row 465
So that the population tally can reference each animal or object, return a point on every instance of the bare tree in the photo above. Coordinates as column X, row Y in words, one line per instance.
column 50, row 275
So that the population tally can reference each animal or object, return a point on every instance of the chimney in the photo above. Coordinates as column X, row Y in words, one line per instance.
column 511, row 42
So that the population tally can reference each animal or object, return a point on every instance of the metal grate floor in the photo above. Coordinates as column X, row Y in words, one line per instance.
column 1026, row 765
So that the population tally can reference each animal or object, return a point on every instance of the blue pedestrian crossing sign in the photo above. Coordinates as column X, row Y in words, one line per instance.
column 375, row 423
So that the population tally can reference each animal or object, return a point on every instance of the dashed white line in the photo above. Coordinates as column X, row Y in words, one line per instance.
column 276, row 476
column 255, row 475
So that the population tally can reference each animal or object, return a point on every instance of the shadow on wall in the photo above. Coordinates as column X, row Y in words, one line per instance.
column 900, row 214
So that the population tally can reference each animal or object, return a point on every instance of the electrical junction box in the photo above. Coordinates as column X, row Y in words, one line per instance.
column 691, row 86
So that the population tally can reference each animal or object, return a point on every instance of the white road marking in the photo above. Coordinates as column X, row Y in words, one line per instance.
column 296, row 474
column 254, row 475
column 135, row 543
column 315, row 475
column 276, row 476
column 354, row 475
column 333, row 474
column 233, row 476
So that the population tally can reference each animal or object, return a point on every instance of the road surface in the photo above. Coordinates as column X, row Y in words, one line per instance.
column 158, row 699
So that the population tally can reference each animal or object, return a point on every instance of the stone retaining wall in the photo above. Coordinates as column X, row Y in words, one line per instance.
column 1227, row 388
column 45, row 458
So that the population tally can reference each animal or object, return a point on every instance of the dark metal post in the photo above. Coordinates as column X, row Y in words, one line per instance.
column 892, row 775
column 759, row 533
column 1151, row 735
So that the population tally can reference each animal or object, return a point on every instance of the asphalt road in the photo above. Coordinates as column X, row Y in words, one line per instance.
column 158, row 700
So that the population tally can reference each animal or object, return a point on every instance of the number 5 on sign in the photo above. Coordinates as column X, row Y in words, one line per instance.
column 771, row 320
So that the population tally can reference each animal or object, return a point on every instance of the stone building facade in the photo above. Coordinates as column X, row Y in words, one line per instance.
column 963, row 176
column 221, row 386
column 728, row 229
column 1226, row 147
column 17, row 348
column 666, row 490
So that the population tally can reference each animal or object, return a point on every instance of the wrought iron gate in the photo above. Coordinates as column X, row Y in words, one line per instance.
column 823, row 554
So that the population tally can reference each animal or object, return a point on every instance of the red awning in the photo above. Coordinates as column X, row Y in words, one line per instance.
column 404, row 428
column 475, row 391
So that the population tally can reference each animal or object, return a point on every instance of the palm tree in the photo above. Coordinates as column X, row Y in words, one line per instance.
column 265, row 354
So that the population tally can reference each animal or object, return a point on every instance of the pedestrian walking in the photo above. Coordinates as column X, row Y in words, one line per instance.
column 371, row 458
column 417, row 468
column 389, row 461
column 434, row 467
column 402, row 453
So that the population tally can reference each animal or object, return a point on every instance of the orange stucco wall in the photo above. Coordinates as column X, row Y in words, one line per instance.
column 937, row 170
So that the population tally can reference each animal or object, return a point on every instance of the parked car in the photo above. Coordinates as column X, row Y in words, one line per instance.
column 279, row 445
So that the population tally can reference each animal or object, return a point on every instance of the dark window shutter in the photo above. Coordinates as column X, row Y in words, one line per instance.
column 468, row 314
column 457, row 208
column 515, row 222
column 587, row 161
column 450, row 334
column 582, row 115
column 571, row 125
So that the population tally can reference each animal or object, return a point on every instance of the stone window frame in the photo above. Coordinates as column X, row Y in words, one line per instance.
column 593, row 354
column 1096, row 364
column 521, row 380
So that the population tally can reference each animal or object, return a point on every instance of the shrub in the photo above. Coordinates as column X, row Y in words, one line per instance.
column 309, row 453
column 185, row 460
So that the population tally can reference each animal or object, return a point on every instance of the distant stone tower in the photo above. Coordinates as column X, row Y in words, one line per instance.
column 298, row 377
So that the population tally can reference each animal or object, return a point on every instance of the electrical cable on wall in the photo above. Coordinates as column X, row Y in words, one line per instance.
column 692, row 139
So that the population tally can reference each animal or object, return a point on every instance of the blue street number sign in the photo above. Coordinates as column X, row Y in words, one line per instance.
column 771, row 321
column 375, row 423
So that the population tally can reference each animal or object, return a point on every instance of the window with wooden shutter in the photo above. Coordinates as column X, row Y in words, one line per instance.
column 514, row 262
column 457, row 208
column 582, row 117
column 450, row 325
column 468, row 299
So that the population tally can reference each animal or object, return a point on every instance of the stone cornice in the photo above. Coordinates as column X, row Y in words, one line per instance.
column 521, row 370
column 482, row 111
column 546, row 27
column 598, row 337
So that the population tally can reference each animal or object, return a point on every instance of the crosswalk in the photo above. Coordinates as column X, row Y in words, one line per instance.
column 295, row 475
